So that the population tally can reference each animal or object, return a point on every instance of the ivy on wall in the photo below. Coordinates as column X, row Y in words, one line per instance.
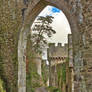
column 61, row 75
column 64, row 72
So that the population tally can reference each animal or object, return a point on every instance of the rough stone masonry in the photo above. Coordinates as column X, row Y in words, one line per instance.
column 15, row 28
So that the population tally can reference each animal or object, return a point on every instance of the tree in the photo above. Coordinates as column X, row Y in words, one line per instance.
column 41, row 30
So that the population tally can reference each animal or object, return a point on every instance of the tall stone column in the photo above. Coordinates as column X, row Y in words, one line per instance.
column 38, row 65
column 79, row 78
column 50, row 79
column 70, row 56
column 22, row 59
column 70, row 50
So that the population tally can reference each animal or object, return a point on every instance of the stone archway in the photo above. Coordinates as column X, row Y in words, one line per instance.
column 34, row 8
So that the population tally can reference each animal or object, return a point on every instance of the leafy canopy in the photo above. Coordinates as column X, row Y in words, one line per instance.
column 41, row 31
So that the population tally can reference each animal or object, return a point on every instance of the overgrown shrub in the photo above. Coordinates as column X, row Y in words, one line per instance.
column 2, row 86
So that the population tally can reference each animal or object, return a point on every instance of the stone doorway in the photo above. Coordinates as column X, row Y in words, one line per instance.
column 34, row 8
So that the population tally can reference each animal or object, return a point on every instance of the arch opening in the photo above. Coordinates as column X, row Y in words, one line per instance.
column 63, row 29
column 25, row 31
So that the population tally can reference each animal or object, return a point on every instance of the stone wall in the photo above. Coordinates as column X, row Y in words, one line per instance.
column 20, row 16
column 58, row 51
column 57, row 56
column 70, row 66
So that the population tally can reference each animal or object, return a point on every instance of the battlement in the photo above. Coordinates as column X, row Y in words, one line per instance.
column 57, row 45
column 58, row 50
column 51, row 45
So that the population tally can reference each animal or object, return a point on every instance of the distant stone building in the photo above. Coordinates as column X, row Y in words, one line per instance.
column 57, row 56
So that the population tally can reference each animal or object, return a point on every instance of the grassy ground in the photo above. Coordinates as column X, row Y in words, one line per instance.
column 53, row 89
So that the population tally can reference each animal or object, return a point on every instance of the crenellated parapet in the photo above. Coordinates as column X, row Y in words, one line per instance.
column 58, row 50
column 57, row 54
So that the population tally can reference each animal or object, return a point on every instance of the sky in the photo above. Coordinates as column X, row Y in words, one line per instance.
column 60, row 24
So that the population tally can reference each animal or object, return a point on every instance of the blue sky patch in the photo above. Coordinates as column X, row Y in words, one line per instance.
column 55, row 10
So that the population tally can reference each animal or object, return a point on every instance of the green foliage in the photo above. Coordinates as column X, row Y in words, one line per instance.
column 67, row 59
column 61, row 72
column 2, row 86
column 64, row 72
column 45, row 72
column 33, row 79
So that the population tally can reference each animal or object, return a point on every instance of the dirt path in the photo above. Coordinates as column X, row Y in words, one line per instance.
column 41, row 89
